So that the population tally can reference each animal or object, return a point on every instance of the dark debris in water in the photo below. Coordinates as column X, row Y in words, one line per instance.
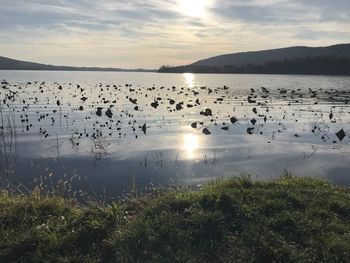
column 341, row 134
column 206, row 131
column 259, row 111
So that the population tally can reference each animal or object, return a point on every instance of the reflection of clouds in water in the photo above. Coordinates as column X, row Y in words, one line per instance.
column 254, row 130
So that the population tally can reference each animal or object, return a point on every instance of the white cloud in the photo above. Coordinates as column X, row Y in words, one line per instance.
column 140, row 33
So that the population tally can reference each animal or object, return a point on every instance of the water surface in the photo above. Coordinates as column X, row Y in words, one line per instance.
column 108, row 133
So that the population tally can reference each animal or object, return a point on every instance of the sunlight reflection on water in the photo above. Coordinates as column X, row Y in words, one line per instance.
column 171, row 128
column 189, row 79
column 190, row 145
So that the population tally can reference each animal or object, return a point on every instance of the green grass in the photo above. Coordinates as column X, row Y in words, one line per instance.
column 235, row 220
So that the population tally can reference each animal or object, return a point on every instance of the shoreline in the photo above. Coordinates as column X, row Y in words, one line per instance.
column 286, row 219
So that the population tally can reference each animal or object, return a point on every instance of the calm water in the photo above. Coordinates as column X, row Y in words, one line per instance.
column 106, row 133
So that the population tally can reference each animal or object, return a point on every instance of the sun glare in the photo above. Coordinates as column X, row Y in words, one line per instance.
column 190, row 144
column 193, row 7
column 189, row 79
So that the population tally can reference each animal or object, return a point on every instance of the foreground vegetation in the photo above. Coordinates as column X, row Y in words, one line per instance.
column 235, row 220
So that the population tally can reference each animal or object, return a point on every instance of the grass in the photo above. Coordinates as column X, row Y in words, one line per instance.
column 235, row 220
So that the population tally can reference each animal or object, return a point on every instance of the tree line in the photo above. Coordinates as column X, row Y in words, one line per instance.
column 327, row 65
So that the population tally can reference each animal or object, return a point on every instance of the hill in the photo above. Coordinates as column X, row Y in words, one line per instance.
column 332, row 60
column 13, row 64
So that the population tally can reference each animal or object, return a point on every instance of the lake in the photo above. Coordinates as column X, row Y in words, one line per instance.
column 105, row 134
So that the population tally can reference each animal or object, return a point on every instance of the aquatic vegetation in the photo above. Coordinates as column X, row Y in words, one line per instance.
column 96, row 122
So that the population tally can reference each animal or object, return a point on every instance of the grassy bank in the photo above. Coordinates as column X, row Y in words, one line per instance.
column 236, row 220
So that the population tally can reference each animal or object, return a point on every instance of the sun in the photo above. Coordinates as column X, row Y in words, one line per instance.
column 195, row 8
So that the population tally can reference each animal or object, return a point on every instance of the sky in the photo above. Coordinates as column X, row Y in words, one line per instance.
column 151, row 33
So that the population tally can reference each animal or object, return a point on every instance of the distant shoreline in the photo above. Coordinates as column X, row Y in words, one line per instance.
column 278, row 74
column 13, row 64
column 80, row 70
column 197, row 73
column 331, row 65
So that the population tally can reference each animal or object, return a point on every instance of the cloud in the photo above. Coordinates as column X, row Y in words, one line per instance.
column 140, row 33
column 316, row 35
column 274, row 11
